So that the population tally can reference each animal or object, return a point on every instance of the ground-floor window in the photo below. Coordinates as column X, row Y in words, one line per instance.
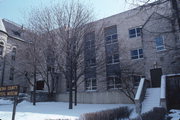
column 90, row 84
column 136, row 79
column 114, row 82
column 40, row 85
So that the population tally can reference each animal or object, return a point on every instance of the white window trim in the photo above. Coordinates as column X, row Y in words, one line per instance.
column 114, row 85
column 113, row 60
column 161, row 45
column 135, row 31
column 138, row 54
column 111, row 39
column 91, row 87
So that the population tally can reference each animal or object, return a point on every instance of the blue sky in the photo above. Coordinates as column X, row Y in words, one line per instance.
column 15, row 10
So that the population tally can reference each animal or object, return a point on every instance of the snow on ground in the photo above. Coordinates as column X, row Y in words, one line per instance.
column 51, row 110
column 175, row 114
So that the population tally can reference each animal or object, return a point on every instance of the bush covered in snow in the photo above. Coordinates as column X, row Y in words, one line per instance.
column 156, row 114
column 112, row 114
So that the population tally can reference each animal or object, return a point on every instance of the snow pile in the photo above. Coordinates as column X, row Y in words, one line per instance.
column 5, row 102
column 175, row 114
column 52, row 110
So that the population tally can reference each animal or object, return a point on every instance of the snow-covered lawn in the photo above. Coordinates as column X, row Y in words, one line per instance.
column 175, row 114
column 50, row 110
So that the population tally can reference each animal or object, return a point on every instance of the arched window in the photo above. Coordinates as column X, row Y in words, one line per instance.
column 1, row 48
column 13, row 57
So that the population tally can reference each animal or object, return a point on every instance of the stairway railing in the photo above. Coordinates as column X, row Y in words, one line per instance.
column 140, row 94
column 163, row 92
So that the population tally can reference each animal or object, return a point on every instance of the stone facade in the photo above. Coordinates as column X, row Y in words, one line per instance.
column 14, row 43
column 143, row 45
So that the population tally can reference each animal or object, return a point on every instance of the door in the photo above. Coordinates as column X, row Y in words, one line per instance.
column 156, row 77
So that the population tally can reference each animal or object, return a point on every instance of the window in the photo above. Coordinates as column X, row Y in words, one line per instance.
column 89, row 40
column 1, row 48
column 114, row 82
column 136, row 54
column 90, row 84
column 13, row 57
column 17, row 33
column 11, row 76
column 89, row 44
column 91, row 62
column 159, row 43
column 110, row 34
column 135, row 32
column 111, row 59
column 39, row 85
column 111, row 38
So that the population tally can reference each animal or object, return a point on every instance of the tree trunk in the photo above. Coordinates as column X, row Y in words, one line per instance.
column 34, row 88
column 75, row 94
column 70, row 95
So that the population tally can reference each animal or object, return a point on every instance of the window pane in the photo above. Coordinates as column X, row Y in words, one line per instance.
column 134, row 54
column 108, row 39
column 116, row 57
column 114, row 37
column 138, row 31
column 109, row 59
column 132, row 33
column 159, row 43
column 1, row 50
column 140, row 53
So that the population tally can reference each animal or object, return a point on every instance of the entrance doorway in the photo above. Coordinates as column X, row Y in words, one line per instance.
column 156, row 77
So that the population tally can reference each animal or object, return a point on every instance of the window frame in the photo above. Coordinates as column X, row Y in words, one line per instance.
column 90, row 87
column 138, row 54
column 13, row 55
column 112, row 59
column 114, row 85
column 160, row 46
column 136, row 34
column 2, row 46
column 111, row 39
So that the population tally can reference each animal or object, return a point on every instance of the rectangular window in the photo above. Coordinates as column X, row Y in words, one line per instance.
column 135, row 32
column 111, row 34
column 91, row 62
column 114, row 82
column 114, row 58
column 136, row 54
column 90, row 84
column 159, row 41
column 89, row 40
column 111, row 39
column 11, row 76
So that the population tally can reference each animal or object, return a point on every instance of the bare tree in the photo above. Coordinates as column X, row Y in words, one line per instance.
column 61, row 31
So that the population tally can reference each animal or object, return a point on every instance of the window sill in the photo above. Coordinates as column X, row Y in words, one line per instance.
column 137, row 59
column 90, row 90
column 112, row 43
column 113, row 63
column 161, row 50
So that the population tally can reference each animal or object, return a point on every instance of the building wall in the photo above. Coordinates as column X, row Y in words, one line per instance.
column 125, row 21
column 14, row 40
column 104, row 97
